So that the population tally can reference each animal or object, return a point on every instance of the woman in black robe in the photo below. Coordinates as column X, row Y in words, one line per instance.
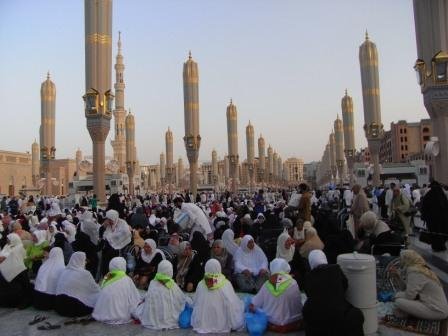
column 435, row 214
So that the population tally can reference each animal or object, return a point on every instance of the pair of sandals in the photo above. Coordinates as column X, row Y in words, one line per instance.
column 46, row 326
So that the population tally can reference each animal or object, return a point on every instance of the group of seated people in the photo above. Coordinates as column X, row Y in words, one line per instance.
column 65, row 282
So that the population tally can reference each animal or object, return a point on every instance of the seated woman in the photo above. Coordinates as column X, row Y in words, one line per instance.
column 47, row 280
column 35, row 252
column 77, row 291
column 285, row 247
column 216, row 307
column 83, row 243
column 190, row 270
column 424, row 297
column 164, row 289
column 326, row 311
column 219, row 252
column 147, row 261
column 251, row 266
column 228, row 238
column 15, row 288
column 312, row 242
column 378, row 233
column 280, row 299
column 118, row 297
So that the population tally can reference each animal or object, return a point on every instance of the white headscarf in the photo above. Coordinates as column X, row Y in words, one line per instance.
column 41, row 236
column 229, row 242
column 147, row 258
column 50, row 271
column 282, row 251
column 279, row 265
column 317, row 258
column 118, row 235
column 253, row 260
column 117, row 263
column 90, row 227
column 54, row 210
column 76, row 282
column 15, row 253
column 212, row 266
column 70, row 230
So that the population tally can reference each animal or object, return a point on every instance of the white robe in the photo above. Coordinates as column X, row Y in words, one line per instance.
column 119, row 235
column 116, row 302
column 50, row 271
column 253, row 260
column 154, row 315
column 76, row 282
column 217, row 311
column 14, row 252
column 281, row 310
column 198, row 218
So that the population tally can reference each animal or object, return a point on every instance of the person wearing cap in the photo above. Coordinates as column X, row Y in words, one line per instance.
column 326, row 310
column 280, row 299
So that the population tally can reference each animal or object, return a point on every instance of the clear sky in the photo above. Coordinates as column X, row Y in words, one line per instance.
column 285, row 63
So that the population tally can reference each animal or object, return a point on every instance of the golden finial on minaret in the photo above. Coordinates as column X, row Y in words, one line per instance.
column 367, row 35
column 189, row 54
column 48, row 74
column 129, row 111
column 231, row 101
column 346, row 92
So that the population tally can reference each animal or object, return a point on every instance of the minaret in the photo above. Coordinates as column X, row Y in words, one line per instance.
column 250, row 142
column 215, row 173
column 275, row 170
column 169, row 160
column 349, row 132
column 328, row 161
column 47, row 131
column 332, row 155
column 98, row 98
column 368, row 60
column 180, row 172
column 35, row 164
column 162, row 170
column 119, row 143
column 270, row 164
column 226, row 170
column 130, row 150
column 192, row 139
column 279, row 169
column 261, row 159
column 232, row 137
column 339, row 141
column 431, row 33
column 78, row 157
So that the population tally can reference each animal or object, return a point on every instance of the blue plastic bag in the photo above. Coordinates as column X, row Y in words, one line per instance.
column 256, row 323
column 185, row 317
column 247, row 299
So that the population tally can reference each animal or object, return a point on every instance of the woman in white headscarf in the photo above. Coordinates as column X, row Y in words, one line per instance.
column 90, row 227
column 251, row 266
column 280, row 298
column 229, row 241
column 163, row 288
column 216, row 307
column 147, row 261
column 47, row 280
column 285, row 247
column 77, row 291
column 118, row 297
column 15, row 287
column 117, row 235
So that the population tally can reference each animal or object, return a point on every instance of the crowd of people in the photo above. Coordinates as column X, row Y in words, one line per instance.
column 84, row 260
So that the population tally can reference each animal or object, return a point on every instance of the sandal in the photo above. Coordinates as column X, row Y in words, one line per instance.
column 37, row 319
column 74, row 320
column 49, row 326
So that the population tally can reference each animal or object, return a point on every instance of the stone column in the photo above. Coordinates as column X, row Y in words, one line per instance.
column 215, row 173
column 250, row 142
column 349, row 133
column 130, row 152
column 261, row 160
column 332, row 156
column 35, row 164
column 339, row 141
column 169, row 160
column 232, row 136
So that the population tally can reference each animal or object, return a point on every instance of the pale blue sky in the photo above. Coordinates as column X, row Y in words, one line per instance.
column 286, row 65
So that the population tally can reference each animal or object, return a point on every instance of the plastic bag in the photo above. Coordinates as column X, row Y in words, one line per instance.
column 256, row 323
column 185, row 317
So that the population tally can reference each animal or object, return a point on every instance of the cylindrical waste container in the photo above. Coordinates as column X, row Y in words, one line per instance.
column 360, row 270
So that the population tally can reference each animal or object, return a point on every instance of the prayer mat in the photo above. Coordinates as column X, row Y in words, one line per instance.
column 411, row 324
